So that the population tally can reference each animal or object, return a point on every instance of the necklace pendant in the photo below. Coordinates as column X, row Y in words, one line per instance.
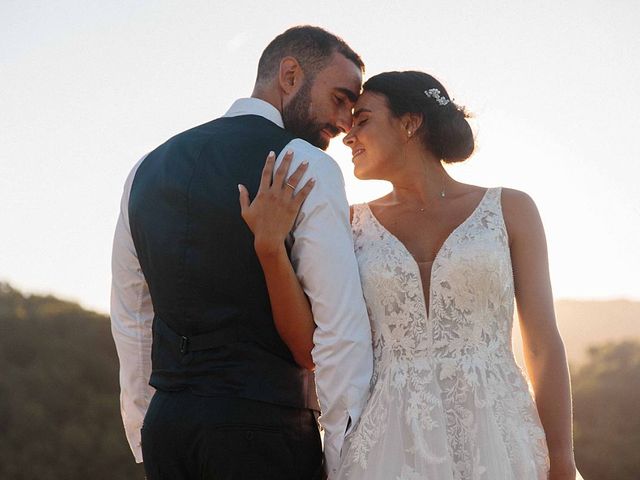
column 442, row 194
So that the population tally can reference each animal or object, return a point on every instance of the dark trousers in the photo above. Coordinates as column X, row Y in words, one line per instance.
column 190, row 437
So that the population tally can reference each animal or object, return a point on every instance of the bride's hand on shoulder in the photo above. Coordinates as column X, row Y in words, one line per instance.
column 271, row 214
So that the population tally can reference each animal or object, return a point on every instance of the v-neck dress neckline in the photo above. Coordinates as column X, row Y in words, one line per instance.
column 412, row 259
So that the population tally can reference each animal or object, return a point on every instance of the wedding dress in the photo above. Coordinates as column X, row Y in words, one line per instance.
column 447, row 399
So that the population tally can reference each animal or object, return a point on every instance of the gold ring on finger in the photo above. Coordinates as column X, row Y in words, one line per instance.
column 290, row 186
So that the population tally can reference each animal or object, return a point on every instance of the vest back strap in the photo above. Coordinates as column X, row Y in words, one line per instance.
column 203, row 341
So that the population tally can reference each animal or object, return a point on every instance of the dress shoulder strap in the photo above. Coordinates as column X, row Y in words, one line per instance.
column 493, row 206
column 356, row 212
column 495, row 198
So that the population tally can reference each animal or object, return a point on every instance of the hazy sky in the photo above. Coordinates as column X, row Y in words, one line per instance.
column 88, row 87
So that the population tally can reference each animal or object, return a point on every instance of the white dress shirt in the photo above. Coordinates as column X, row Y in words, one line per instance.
column 131, row 320
column 323, row 258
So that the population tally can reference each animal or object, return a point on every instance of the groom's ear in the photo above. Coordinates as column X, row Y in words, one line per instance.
column 290, row 75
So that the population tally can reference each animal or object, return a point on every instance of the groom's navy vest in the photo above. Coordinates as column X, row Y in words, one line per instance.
column 213, row 330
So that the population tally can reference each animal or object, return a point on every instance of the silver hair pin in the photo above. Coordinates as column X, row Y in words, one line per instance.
column 435, row 94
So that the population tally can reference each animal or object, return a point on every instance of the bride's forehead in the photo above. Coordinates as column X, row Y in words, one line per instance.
column 370, row 101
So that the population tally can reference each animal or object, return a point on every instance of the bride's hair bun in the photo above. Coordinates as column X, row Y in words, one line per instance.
column 445, row 130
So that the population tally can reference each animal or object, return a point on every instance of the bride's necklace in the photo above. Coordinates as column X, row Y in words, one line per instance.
column 443, row 192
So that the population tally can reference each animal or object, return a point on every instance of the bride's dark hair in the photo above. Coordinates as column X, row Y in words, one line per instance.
column 445, row 130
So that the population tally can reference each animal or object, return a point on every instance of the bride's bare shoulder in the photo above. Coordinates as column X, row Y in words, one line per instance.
column 373, row 205
column 520, row 212
column 381, row 202
column 516, row 202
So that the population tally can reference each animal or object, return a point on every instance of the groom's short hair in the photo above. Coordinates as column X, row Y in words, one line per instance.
column 313, row 47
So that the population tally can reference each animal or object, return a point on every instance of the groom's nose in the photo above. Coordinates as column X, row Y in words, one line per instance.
column 344, row 122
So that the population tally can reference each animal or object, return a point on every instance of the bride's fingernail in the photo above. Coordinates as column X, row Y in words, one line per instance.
column 305, row 163
column 272, row 154
column 289, row 152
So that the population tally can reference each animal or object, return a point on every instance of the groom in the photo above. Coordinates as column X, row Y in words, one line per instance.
column 200, row 359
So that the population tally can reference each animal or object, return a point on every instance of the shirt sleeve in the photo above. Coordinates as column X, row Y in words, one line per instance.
column 131, row 320
column 323, row 257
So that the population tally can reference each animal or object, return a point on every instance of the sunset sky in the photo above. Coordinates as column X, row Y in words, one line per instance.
column 88, row 87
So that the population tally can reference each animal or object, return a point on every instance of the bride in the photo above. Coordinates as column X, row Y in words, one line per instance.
column 441, row 263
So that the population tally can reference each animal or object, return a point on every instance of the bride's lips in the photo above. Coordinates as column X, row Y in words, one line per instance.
column 357, row 152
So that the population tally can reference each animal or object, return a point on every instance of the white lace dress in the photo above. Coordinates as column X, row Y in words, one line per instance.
column 447, row 400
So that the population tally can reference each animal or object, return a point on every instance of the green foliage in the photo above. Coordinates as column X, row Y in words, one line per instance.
column 59, row 411
column 606, row 392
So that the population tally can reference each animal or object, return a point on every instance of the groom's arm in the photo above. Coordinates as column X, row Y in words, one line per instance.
column 131, row 319
column 324, row 260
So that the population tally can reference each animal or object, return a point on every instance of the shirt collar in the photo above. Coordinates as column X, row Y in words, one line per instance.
column 255, row 106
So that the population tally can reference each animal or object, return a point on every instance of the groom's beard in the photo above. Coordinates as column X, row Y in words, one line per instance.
column 297, row 119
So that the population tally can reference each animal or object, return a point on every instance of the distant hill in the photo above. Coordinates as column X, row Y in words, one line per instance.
column 59, row 408
column 583, row 324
